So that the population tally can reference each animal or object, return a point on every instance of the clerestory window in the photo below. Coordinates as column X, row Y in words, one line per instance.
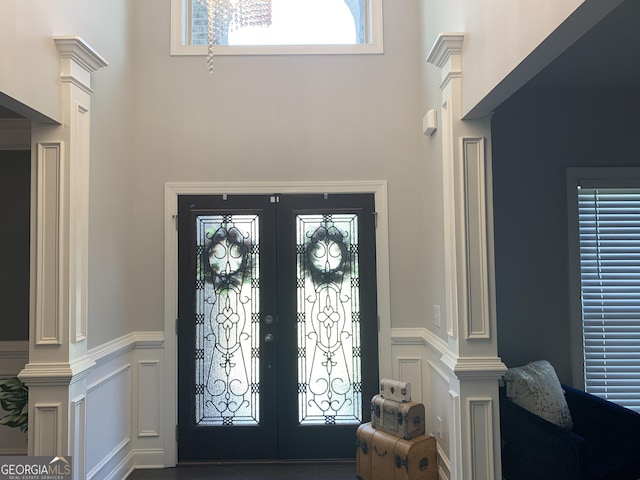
column 297, row 27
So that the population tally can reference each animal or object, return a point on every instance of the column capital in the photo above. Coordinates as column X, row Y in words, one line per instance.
column 79, row 60
column 446, row 54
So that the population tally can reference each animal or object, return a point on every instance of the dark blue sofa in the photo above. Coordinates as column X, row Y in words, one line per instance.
column 604, row 443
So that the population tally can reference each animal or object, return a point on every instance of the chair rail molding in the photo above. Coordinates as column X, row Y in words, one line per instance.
column 469, row 353
column 58, row 364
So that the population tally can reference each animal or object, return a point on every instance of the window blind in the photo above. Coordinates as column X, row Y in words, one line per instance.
column 609, row 228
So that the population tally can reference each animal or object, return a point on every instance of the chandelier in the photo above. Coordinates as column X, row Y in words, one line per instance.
column 224, row 16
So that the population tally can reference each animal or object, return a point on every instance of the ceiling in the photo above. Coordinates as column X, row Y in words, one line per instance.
column 6, row 113
column 607, row 56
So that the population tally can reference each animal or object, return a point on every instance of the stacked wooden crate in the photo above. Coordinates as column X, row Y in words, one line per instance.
column 393, row 446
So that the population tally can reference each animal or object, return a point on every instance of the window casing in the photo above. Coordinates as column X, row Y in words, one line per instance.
column 368, row 35
column 604, row 233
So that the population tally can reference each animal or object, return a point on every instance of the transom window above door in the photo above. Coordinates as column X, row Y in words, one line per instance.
column 297, row 27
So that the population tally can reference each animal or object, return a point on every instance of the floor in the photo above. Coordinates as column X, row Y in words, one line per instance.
column 297, row 471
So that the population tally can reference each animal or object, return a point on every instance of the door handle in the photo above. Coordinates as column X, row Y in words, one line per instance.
column 269, row 338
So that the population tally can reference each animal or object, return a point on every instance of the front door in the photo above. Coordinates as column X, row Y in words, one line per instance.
column 277, row 342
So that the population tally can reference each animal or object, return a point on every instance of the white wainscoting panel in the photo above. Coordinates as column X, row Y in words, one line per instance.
column 438, row 409
column 79, row 220
column 417, row 358
column 476, row 269
column 123, row 406
column 455, row 444
column 149, row 395
column 47, row 425
column 480, row 442
column 109, row 413
column 118, row 454
column 410, row 370
column 49, row 299
column 78, row 434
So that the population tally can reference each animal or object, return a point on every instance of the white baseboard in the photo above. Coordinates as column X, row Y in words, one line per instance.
column 140, row 459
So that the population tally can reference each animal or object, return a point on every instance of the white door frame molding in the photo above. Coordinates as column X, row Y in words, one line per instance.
column 174, row 189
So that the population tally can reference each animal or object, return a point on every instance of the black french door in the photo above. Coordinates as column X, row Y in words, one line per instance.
column 277, row 342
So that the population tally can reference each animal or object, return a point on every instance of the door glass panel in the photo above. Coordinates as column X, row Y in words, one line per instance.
column 227, row 321
column 328, row 319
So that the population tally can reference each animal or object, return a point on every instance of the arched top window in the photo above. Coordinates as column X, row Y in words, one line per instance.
column 297, row 27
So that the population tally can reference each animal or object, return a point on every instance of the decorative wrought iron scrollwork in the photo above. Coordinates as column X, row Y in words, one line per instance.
column 227, row 300
column 327, row 295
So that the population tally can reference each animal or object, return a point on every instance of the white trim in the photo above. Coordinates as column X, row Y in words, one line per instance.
column 137, row 459
column 418, row 336
column 47, row 427
column 116, row 347
column 148, row 410
column 79, row 120
column 109, row 457
column 476, row 270
column 78, row 433
column 480, row 437
column 125, row 369
column 173, row 189
column 14, row 349
column 446, row 54
column 449, row 231
column 445, row 46
column 374, row 46
column 469, row 368
column 75, row 48
column 444, row 464
column 56, row 373
column 46, row 293
column 455, row 430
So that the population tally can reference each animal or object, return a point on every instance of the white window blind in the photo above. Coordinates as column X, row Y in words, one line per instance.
column 609, row 228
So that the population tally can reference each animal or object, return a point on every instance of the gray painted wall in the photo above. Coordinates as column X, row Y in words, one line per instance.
column 536, row 135
column 14, row 244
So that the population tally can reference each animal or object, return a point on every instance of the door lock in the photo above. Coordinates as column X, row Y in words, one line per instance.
column 268, row 319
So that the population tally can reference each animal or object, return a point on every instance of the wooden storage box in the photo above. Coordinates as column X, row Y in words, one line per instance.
column 393, row 458
column 395, row 390
column 402, row 419
column 364, row 434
